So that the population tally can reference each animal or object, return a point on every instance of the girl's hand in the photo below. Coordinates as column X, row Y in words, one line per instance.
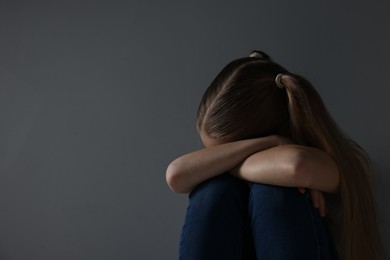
column 318, row 200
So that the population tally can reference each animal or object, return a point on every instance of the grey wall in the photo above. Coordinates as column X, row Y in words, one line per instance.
column 97, row 97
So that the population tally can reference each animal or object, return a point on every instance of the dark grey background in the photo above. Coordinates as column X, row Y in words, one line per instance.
column 97, row 97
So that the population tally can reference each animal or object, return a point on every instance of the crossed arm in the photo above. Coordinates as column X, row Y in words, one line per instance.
column 268, row 160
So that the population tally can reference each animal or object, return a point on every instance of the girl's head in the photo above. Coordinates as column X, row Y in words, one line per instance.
column 244, row 102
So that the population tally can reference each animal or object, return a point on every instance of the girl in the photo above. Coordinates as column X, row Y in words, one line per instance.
column 277, row 178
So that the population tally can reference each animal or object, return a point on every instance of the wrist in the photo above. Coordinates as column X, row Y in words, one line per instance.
column 271, row 141
column 282, row 140
column 264, row 143
column 275, row 140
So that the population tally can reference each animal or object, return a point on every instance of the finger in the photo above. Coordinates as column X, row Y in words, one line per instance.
column 319, row 202
column 301, row 190
column 314, row 198
column 322, row 205
column 318, row 199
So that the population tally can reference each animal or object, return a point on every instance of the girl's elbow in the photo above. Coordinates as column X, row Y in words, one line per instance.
column 309, row 171
column 173, row 178
column 301, row 168
column 300, row 174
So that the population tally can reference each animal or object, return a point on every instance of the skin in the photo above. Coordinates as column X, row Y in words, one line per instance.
column 271, row 160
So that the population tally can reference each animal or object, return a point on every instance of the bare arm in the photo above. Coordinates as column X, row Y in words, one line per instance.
column 292, row 166
column 189, row 170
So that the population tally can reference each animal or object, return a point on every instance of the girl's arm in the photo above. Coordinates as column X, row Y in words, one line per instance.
column 189, row 170
column 292, row 166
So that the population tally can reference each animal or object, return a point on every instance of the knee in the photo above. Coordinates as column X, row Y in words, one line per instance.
column 263, row 191
column 264, row 196
column 220, row 187
column 219, row 192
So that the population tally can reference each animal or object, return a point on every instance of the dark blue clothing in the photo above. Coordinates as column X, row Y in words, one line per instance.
column 227, row 220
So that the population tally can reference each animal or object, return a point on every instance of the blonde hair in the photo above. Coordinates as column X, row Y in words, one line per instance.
column 244, row 102
column 312, row 125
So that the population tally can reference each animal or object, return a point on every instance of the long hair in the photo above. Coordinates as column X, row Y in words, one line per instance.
column 243, row 102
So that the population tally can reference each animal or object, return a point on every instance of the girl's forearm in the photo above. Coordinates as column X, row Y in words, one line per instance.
column 189, row 170
column 291, row 166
